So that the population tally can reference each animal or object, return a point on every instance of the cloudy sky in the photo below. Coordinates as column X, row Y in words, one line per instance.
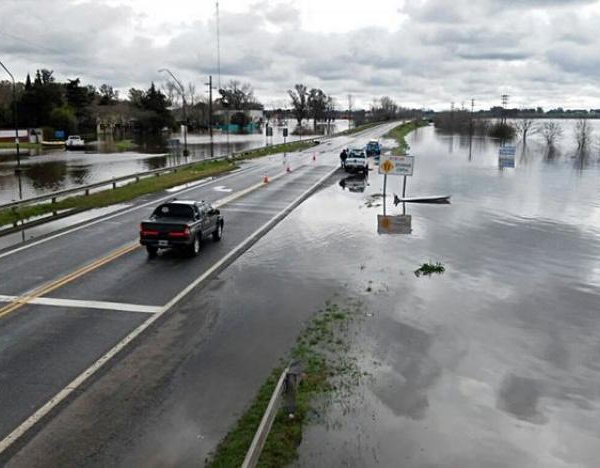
column 422, row 53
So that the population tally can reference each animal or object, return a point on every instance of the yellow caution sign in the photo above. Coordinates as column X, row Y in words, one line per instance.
column 387, row 166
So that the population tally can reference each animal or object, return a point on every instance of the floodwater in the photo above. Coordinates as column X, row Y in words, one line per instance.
column 493, row 363
column 57, row 169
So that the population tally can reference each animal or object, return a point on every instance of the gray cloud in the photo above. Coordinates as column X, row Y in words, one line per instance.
column 542, row 52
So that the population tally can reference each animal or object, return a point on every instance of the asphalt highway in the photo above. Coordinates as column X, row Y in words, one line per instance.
column 91, row 329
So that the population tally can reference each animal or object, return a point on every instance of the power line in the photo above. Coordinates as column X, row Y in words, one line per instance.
column 29, row 43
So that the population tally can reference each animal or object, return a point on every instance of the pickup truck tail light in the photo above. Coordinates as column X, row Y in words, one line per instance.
column 147, row 232
column 184, row 233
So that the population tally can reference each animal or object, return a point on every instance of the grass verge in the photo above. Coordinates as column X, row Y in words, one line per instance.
column 120, row 194
column 125, row 145
column 328, row 370
column 399, row 133
column 276, row 149
column 22, row 145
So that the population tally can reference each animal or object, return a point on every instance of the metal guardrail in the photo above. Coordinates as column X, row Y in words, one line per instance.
column 285, row 389
column 54, row 196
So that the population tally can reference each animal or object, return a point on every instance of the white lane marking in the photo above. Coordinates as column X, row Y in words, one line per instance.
column 100, row 220
column 84, row 304
column 222, row 188
column 81, row 378
column 250, row 210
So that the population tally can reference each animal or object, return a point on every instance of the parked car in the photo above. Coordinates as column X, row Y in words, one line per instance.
column 373, row 148
column 181, row 224
column 357, row 161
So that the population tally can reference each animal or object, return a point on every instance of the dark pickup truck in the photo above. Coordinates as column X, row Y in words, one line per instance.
column 181, row 224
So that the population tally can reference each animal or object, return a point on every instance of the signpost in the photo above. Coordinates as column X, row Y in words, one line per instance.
column 396, row 165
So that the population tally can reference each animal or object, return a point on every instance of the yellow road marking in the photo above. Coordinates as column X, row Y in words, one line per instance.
column 46, row 288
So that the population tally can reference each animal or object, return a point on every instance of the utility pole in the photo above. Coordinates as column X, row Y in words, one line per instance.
column 504, row 106
column 349, row 111
column 210, row 129
column 16, row 117
column 471, row 130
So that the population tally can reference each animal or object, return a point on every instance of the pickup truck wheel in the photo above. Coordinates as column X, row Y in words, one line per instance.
column 194, row 248
column 152, row 251
column 218, row 234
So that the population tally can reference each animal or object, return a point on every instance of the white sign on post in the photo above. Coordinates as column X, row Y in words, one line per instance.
column 397, row 165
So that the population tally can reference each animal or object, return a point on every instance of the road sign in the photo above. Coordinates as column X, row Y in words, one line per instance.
column 400, row 224
column 396, row 165
column 269, row 131
column 507, row 151
column 285, row 132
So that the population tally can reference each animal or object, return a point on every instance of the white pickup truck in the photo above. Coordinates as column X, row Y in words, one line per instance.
column 357, row 161
column 75, row 142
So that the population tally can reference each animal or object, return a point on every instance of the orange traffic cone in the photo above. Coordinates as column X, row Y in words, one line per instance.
column 266, row 179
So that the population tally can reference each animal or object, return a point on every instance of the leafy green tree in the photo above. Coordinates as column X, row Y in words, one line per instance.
column 153, row 114
column 63, row 118
column 108, row 96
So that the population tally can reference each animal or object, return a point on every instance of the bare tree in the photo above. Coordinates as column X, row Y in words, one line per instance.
column 317, row 105
column 525, row 127
column 238, row 96
column 384, row 109
column 583, row 136
column 299, row 97
column 192, row 97
column 552, row 131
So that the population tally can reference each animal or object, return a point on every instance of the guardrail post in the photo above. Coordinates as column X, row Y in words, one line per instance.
column 87, row 192
column 53, row 199
column 114, row 184
column 292, row 380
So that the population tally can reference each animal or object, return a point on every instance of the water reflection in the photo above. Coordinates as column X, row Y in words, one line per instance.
column 354, row 182
column 56, row 169
column 49, row 176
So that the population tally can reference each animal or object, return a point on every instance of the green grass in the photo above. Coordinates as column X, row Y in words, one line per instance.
column 125, row 145
column 22, row 145
column 360, row 128
column 120, row 194
column 399, row 134
column 276, row 149
column 322, row 348
column 430, row 268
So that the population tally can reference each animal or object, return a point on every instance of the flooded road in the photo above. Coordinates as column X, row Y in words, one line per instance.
column 55, row 170
column 492, row 363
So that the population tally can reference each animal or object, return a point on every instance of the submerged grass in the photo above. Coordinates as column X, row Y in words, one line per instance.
column 120, row 194
column 125, row 145
column 430, row 268
column 327, row 370
column 399, row 134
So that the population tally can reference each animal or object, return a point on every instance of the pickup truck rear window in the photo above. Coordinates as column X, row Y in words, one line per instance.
column 174, row 211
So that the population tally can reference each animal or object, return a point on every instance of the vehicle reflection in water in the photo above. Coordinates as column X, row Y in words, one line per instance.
column 355, row 182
